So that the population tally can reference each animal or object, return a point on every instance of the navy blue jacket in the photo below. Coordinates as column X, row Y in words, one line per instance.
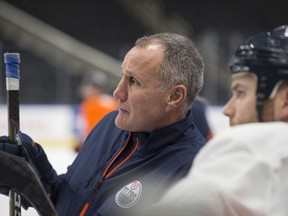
column 116, row 170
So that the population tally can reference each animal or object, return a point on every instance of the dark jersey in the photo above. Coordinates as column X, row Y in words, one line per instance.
column 117, row 170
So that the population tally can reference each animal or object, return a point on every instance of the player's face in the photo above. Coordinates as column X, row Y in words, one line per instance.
column 241, row 108
column 141, row 105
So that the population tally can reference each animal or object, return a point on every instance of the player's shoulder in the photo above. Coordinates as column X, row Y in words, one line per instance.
column 253, row 138
column 258, row 130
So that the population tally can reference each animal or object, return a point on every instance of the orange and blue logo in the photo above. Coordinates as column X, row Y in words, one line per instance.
column 129, row 195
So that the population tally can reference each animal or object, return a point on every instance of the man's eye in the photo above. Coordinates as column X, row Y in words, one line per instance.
column 133, row 80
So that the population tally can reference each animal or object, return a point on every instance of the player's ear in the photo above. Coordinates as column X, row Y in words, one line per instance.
column 176, row 97
column 285, row 103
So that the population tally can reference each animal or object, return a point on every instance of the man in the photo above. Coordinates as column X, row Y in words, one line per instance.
column 95, row 102
column 94, row 106
column 135, row 154
column 243, row 170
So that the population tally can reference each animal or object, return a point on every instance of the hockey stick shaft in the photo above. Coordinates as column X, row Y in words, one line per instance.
column 12, row 72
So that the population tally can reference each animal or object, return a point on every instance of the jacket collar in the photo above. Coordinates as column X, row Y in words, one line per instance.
column 158, row 139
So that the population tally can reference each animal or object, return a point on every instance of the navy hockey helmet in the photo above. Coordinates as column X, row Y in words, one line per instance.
column 266, row 56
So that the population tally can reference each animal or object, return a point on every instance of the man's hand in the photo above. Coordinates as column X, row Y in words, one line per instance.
column 6, row 146
column 35, row 155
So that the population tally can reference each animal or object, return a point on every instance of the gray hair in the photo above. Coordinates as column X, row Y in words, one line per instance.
column 181, row 64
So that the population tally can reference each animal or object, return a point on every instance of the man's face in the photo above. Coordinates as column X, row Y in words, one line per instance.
column 141, row 105
column 241, row 108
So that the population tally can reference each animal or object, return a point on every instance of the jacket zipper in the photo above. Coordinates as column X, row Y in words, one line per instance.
column 108, row 173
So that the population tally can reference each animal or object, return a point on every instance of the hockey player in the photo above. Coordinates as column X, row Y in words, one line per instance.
column 240, row 171
column 135, row 154
column 243, row 170
column 259, row 85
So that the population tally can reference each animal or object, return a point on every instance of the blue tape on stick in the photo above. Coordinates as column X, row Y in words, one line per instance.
column 12, row 61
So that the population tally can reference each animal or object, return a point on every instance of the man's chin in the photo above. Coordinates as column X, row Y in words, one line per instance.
column 119, row 122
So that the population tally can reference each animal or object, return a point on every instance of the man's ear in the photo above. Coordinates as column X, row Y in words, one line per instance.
column 176, row 97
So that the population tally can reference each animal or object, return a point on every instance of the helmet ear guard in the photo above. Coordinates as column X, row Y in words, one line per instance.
column 266, row 56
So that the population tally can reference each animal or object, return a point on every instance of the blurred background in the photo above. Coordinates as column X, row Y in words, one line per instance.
column 62, row 41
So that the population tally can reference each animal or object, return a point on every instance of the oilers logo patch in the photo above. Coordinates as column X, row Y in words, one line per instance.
column 128, row 196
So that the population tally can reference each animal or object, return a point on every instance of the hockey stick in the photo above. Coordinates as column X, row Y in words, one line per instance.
column 12, row 72
column 19, row 174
